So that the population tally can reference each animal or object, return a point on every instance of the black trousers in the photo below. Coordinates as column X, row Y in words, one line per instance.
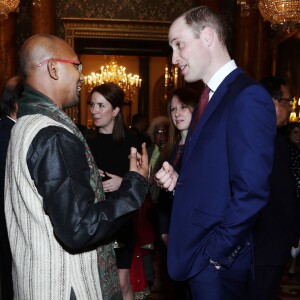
column 5, row 266
column 266, row 283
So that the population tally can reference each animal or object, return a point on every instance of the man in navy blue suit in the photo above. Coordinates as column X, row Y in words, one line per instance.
column 224, row 178
column 8, row 107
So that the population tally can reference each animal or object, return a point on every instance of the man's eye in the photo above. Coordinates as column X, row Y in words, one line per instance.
column 178, row 45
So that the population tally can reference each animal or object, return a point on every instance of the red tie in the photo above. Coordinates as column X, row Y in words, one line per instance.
column 202, row 105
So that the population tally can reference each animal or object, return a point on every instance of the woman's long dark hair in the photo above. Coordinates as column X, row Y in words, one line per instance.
column 115, row 96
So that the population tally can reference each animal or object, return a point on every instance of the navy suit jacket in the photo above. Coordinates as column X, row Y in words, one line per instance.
column 223, row 182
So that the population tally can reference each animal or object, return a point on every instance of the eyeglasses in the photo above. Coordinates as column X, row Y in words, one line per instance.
column 161, row 131
column 73, row 62
column 288, row 101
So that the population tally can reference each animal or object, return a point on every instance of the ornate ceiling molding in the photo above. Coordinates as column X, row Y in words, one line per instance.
column 115, row 29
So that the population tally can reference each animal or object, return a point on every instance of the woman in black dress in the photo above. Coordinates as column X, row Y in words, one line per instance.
column 110, row 148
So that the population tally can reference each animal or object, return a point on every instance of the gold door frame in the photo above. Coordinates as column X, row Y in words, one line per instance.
column 117, row 29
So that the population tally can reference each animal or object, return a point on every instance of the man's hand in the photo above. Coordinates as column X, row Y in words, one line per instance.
column 166, row 177
column 139, row 162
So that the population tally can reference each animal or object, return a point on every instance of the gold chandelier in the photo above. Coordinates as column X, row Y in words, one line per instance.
column 112, row 72
column 283, row 14
column 6, row 7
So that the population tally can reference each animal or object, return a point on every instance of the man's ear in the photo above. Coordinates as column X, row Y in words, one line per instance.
column 208, row 35
column 53, row 68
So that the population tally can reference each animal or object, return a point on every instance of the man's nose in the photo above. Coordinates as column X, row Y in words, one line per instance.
column 174, row 58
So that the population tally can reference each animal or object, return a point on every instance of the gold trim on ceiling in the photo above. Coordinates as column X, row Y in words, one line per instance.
column 116, row 28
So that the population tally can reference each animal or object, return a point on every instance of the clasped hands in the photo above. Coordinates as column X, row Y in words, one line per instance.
column 111, row 184
column 137, row 163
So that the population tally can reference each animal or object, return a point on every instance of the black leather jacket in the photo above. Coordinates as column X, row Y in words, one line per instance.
column 57, row 163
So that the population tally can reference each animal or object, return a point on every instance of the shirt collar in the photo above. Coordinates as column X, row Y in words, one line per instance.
column 219, row 76
column 12, row 119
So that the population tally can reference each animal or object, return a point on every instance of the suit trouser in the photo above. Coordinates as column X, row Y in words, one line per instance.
column 223, row 284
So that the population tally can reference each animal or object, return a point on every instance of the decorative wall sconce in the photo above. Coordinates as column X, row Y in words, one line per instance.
column 295, row 114
column 173, row 79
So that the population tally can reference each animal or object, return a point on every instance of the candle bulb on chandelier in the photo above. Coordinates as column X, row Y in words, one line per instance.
column 176, row 77
column 166, row 76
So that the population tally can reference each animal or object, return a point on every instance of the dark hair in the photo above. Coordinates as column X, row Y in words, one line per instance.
column 291, row 126
column 11, row 95
column 115, row 96
column 202, row 16
column 136, row 118
column 273, row 85
column 189, row 97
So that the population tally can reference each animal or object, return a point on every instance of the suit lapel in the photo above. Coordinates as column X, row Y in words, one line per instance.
column 215, row 100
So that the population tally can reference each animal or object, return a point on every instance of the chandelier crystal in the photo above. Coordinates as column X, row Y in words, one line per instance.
column 6, row 7
column 283, row 14
column 112, row 72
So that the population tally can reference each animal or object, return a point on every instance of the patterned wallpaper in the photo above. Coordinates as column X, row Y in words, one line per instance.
column 124, row 9
column 161, row 10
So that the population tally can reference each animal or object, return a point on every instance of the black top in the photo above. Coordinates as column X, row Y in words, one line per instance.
column 6, row 125
column 143, row 138
column 295, row 157
column 112, row 157
column 277, row 227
